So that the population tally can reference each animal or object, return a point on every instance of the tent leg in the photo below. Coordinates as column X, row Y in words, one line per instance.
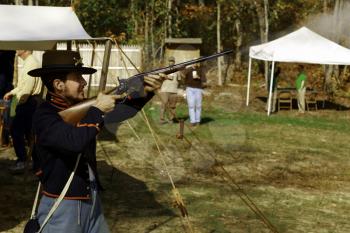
column 105, row 64
column 249, row 77
column 270, row 88
column 91, row 65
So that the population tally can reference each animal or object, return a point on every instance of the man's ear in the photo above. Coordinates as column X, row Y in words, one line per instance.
column 58, row 85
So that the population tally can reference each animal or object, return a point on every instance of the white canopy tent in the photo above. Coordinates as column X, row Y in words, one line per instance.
column 300, row 46
column 38, row 27
column 41, row 27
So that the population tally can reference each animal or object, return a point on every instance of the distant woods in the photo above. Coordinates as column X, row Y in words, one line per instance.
column 222, row 24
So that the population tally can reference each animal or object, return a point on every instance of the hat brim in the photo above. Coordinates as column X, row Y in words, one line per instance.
column 45, row 71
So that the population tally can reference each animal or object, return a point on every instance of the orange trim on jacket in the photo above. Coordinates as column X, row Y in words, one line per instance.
column 89, row 125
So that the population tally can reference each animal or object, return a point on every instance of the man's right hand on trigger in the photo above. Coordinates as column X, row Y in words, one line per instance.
column 106, row 103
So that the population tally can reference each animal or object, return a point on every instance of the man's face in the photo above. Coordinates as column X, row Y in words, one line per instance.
column 74, row 87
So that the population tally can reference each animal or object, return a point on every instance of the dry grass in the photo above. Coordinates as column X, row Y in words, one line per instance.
column 294, row 167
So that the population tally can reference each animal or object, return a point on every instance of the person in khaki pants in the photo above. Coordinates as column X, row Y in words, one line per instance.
column 300, row 85
column 168, row 95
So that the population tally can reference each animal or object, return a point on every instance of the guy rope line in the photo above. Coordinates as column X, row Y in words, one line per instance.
column 109, row 159
column 127, row 71
column 133, row 130
column 235, row 187
column 242, row 195
column 229, row 179
column 179, row 203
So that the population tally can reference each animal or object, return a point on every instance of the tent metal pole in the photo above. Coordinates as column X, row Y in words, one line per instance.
column 249, row 76
column 91, row 65
column 105, row 64
column 270, row 88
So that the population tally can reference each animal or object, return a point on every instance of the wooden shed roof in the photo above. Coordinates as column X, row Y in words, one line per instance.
column 183, row 40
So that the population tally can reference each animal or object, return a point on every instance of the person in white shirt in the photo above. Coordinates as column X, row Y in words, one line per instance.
column 27, row 94
column 168, row 95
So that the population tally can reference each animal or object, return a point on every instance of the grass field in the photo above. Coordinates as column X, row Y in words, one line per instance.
column 295, row 168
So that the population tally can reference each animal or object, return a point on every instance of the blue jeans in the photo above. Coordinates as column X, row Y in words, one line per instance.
column 73, row 216
column 194, row 101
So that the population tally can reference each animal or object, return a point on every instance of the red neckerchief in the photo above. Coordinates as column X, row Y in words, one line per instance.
column 57, row 101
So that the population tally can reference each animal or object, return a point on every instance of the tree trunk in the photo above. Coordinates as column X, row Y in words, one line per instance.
column 168, row 31
column 218, row 35
column 134, row 18
column 146, row 33
column 325, row 6
column 238, row 44
column 152, row 33
column 262, row 12
column 177, row 20
column 331, row 70
column 266, row 34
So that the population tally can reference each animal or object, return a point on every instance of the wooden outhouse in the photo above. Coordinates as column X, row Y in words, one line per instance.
column 182, row 49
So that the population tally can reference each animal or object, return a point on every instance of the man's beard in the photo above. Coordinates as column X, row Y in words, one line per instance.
column 75, row 100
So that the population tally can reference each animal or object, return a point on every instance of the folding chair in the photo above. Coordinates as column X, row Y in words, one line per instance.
column 311, row 101
column 284, row 100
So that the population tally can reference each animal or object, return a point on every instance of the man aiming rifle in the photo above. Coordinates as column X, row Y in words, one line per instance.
column 59, row 145
column 65, row 129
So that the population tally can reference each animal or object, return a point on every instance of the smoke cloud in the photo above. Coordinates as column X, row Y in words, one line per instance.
column 333, row 25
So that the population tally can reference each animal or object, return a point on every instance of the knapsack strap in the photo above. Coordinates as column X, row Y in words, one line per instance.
column 60, row 198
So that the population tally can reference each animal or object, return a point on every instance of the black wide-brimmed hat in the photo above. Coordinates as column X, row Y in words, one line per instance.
column 61, row 61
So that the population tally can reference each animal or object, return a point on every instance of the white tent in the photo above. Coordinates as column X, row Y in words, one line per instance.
column 301, row 46
column 38, row 27
column 41, row 27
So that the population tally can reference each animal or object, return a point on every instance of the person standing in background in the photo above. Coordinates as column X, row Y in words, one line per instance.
column 27, row 93
column 276, row 74
column 168, row 95
column 300, row 85
column 195, row 81
column 7, row 60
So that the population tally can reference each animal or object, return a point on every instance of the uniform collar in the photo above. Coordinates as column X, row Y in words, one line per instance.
column 57, row 101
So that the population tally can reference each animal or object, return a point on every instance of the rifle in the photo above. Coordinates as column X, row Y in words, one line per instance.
column 132, row 87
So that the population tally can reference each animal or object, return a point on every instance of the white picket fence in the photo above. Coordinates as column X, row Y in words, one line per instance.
column 119, row 65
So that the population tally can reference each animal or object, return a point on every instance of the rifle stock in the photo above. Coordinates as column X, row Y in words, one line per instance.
column 75, row 113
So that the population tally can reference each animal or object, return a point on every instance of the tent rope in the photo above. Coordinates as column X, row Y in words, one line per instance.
column 233, row 185
column 178, row 200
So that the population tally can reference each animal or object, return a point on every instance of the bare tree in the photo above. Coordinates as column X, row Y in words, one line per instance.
column 333, row 70
column 238, row 43
column 134, row 18
column 169, row 26
column 146, row 33
column 218, row 36
column 262, row 12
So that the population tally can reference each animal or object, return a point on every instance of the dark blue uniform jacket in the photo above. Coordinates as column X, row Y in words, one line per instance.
column 58, row 145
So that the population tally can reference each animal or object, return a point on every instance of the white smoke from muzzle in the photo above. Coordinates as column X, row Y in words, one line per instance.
column 332, row 25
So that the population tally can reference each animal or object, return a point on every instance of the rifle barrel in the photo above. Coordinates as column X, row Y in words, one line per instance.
column 181, row 65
